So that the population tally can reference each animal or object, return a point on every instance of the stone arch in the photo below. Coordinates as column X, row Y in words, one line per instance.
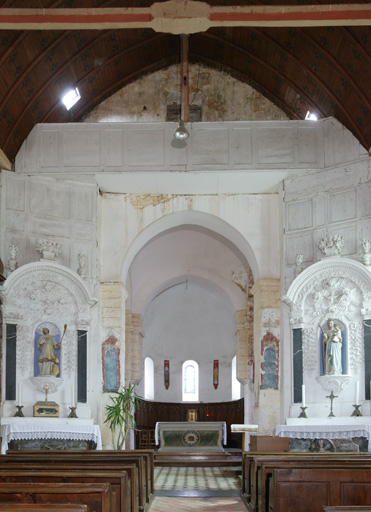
column 196, row 218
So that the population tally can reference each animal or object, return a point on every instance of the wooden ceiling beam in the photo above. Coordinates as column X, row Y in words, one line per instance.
column 179, row 17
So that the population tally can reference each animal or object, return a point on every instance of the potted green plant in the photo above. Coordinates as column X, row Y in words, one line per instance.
column 120, row 414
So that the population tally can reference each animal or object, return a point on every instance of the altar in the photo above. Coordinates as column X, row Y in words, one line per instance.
column 197, row 436
column 337, row 428
column 49, row 434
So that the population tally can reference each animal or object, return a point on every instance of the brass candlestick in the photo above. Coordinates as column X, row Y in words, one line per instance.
column 303, row 414
column 356, row 411
column 19, row 413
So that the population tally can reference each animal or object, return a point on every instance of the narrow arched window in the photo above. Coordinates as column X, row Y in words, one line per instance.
column 236, row 385
column 190, row 381
column 149, row 384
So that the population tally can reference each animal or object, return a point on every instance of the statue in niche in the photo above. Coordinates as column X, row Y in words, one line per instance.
column 332, row 348
column 48, row 350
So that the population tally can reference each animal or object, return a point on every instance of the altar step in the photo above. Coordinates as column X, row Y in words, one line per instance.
column 216, row 459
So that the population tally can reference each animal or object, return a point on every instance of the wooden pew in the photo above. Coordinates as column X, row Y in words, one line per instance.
column 81, row 472
column 142, row 459
column 310, row 489
column 118, row 481
column 97, row 497
column 258, row 469
column 43, row 507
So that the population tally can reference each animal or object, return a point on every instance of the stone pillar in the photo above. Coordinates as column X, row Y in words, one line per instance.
column 113, row 298
column 134, row 336
column 242, row 346
column 266, row 294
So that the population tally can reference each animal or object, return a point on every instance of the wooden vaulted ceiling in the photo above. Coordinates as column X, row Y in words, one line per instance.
column 322, row 69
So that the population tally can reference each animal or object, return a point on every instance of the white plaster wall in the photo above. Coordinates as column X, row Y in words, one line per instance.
column 33, row 208
column 190, row 321
column 249, row 221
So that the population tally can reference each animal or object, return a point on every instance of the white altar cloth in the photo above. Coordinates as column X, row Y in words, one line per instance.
column 325, row 431
column 47, row 430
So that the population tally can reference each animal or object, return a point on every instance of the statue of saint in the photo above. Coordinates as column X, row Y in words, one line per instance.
column 332, row 344
column 48, row 361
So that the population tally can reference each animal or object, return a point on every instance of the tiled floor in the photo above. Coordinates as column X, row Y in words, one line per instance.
column 201, row 489
column 197, row 479
column 164, row 504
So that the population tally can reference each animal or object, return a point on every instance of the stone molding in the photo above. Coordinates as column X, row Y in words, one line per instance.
column 45, row 290
column 322, row 279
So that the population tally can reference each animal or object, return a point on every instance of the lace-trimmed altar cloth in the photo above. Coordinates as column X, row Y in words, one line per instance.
column 47, row 431
column 324, row 431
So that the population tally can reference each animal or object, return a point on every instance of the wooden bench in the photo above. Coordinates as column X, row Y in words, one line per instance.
column 118, row 481
column 258, row 469
column 43, row 507
column 97, row 497
column 310, row 489
column 82, row 472
column 142, row 459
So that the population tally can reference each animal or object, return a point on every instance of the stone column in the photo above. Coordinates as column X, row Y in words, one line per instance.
column 266, row 294
column 134, row 336
column 113, row 298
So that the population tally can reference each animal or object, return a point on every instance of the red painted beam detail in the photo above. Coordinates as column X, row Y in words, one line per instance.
column 291, row 16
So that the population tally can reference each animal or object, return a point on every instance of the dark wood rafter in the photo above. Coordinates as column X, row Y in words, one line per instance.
column 338, row 85
column 274, row 71
column 136, row 47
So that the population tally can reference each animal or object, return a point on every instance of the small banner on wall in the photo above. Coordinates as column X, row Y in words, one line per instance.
column 167, row 373
column 216, row 373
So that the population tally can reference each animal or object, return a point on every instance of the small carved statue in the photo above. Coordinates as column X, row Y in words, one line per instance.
column 83, row 265
column 48, row 360
column 332, row 344
column 299, row 258
column 12, row 261
column 366, row 255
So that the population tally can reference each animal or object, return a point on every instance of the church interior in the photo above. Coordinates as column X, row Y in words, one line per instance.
column 185, row 218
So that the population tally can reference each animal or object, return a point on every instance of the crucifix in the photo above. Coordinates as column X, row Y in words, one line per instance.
column 46, row 387
column 331, row 397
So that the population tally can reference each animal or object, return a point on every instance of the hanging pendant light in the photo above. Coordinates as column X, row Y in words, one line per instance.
column 181, row 133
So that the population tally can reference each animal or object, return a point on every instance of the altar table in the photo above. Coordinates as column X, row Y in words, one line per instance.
column 195, row 436
column 326, row 428
column 31, row 431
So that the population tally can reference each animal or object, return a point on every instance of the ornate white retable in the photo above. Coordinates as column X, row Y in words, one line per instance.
column 48, row 428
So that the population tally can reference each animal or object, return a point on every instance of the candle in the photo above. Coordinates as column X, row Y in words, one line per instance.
column 303, row 395
column 357, row 393
column 72, row 396
column 19, row 394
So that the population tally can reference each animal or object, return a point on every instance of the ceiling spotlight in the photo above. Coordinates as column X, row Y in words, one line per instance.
column 70, row 98
column 181, row 133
